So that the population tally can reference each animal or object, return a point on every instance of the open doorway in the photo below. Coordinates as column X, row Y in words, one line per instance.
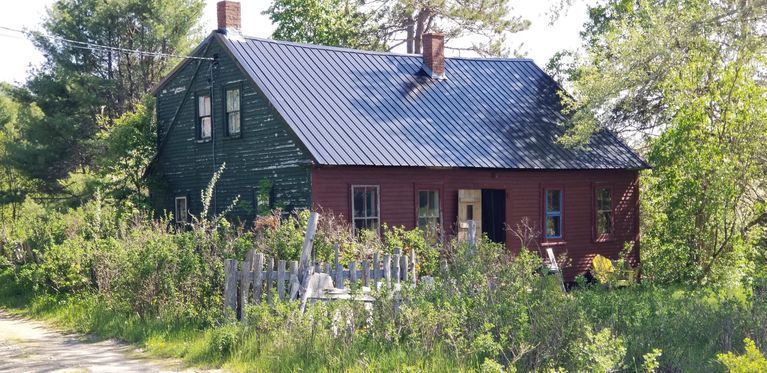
column 494, row 214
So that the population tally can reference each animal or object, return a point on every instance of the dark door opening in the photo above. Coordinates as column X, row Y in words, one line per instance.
column 494, row 214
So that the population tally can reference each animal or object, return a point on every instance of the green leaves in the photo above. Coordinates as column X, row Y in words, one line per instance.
column 682, row 79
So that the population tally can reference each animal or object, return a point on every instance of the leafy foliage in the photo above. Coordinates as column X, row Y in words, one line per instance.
column 81, row 91
column 751, row 361
column 385, row 24
column 324, row 22
column 684, row 79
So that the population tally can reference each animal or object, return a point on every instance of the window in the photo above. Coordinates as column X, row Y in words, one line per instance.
column 233, row 112
column 604, row 212
column 428, row 210
column 205, row 122
column 553, row 213
column 181, row 213
column 365, row 213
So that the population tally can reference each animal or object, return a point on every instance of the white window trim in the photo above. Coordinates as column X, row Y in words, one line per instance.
column 378, row 203
column 175, row 209
column 238, row 111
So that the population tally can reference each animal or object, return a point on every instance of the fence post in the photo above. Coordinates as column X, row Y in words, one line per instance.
column 472, row 236
column 365, row 273
column 376, row 270
column 339, row 275
column 258, row 276
column 245, row 282
column 281, row 279
column 412, row 266
column 352, row 275
column 268, row 276
column 230, row 285
column 387, row 268
column 395, row 266
column 294, row 284
column 403, row 267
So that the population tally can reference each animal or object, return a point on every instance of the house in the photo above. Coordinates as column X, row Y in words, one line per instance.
column 411, row 140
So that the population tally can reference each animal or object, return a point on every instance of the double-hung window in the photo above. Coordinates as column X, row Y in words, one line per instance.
column 365, row 207
column 181, row 212
column 428, row 212
column 604, row 212
column 553, row 208
column 233, row 112
column 205, row 123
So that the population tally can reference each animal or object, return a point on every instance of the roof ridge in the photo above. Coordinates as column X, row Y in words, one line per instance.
column 362, row 51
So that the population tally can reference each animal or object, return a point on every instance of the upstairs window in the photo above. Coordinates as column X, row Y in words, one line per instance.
column 428, row 212
column 204, row 123
column 181, row 213
column 553, row 213
column 365, row 207
column 604, row 212
column 233, row 112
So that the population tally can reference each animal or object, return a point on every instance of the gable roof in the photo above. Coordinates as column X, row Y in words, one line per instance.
column 351, row 107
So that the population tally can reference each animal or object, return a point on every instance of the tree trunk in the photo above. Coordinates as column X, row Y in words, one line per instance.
column 420, row 28
column 410, row 38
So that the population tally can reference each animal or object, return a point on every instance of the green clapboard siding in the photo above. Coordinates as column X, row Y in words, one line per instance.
column 265, row 153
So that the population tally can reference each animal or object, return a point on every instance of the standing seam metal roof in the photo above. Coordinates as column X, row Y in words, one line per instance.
column 360, row 108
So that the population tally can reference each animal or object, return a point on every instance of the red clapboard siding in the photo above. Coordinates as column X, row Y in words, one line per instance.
column 331, row 190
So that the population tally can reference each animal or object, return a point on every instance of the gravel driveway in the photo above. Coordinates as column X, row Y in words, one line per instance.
column 31, row 346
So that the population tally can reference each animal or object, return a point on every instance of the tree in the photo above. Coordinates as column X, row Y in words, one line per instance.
column 81, row 88
column 685, row 78
column 13, row 187
column 386, row 24
column 325, row 22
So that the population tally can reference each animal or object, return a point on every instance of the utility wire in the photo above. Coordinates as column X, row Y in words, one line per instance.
column 95, row 47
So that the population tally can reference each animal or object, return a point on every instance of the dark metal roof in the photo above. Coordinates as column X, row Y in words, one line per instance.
column 351, row 107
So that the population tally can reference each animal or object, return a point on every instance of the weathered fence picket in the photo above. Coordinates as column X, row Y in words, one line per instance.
column 253, row 279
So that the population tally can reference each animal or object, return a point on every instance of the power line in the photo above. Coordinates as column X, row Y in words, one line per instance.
column 95, row 47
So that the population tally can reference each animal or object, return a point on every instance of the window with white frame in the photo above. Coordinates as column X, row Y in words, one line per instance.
column 233, row 112
column 604, row 212
column 182, row 212
column 205, row 123
column 428, row 209
column 365, row 207
column 429, row 218
column 553, row 213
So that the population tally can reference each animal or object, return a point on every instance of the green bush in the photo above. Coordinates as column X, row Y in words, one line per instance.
column 751, row 361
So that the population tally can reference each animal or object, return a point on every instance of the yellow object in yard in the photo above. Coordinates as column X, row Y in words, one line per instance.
column 603, row 269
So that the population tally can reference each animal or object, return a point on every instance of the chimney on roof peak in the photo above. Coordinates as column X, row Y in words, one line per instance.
column 228, row 16
column 434, row 54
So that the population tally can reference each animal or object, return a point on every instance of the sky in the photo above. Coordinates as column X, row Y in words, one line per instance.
column 539, row 42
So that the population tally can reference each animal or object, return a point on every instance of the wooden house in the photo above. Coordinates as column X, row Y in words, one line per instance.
column 412, row 140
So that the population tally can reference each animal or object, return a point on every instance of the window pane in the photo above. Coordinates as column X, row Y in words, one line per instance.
column 359, row 202
column 372, row 202
column 204, row 127
column 434, row 204
column 423, row 202
column 604, row 222
column 553, row 201
column 181, row 212
column 204, row 106
column 233, row 100
column 553, row 226
column 469, row 212
column 604, row 199
column 234, row 123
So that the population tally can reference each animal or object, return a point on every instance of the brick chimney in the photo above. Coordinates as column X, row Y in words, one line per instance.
column 434, row 54
column 228, row 16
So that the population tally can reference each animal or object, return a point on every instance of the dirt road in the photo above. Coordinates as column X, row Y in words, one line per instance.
column 31, row 346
